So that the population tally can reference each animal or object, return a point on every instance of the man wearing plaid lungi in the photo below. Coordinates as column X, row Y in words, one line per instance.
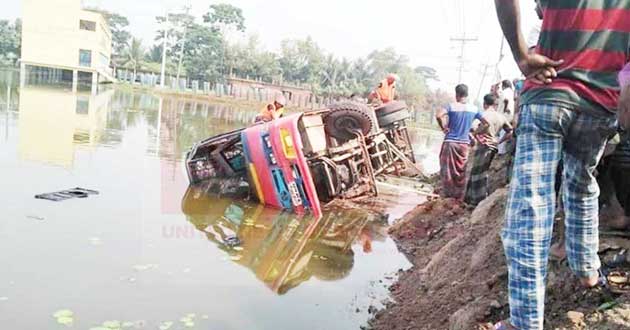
column 568, row 108
column 486, row 135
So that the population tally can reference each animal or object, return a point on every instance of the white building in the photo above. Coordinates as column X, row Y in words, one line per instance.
column 62, row 43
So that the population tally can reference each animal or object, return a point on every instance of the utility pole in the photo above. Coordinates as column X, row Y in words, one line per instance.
column 497, row 72
column 483, row 79
column 463, row 40
column 181, row 50
column 164, row 45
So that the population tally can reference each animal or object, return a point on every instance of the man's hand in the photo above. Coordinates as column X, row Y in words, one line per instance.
column 624, row 108
column 538, row 68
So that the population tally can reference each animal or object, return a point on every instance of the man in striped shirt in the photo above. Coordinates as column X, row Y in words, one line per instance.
column 567, row 112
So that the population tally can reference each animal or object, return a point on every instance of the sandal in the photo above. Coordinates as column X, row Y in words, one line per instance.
column 618, row 281
column 504, row 325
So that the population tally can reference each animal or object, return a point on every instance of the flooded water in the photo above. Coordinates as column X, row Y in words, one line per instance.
column 148, row 251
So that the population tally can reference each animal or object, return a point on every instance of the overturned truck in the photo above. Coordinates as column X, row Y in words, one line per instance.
column 301, row 161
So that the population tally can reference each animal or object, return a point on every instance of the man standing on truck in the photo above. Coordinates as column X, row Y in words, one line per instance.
column 567, row 112
column 272, row 111
column 487, row 136
column 456, row 121
column 386, row 90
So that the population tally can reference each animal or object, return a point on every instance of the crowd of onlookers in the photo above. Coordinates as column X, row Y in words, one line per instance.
column 562, row 131
column 476, row 137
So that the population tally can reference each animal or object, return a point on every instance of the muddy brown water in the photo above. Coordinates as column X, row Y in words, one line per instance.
column 148, row 250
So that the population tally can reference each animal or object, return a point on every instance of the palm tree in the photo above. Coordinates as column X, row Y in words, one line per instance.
column 134, row 55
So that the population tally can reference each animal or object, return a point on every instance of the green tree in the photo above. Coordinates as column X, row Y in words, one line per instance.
column 121, row 37
column 301, row 61
column 360, row 78
column 134, row 55
column 176, row 25
column 202, row 55
column 336, row 76
column 154, row 54
column 10, row 42
column 428, row 73
column 224, row 16
column 250, row 60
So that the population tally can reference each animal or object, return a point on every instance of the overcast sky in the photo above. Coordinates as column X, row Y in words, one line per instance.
column 422, row 30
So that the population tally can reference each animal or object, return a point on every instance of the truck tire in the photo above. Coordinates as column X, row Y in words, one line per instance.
column 393, row 117
column 345, row 117
column 390, row 107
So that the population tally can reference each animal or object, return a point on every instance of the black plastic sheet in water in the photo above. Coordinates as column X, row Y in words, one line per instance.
column 63, row 195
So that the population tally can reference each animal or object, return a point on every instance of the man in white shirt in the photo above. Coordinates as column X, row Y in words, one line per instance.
column 506, row 107
column 506, row 102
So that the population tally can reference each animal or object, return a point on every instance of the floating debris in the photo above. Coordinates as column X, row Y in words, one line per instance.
column 34, row 217
column 205, row 317
column 64, row 317
column 166, row 325
column 63, row 313
column 186, row 270
column 113, row 325
column 188, row 320
column 237, row 248
column 236, row 258
column 63, row 195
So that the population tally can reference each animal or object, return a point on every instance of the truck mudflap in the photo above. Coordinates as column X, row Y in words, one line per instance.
column 278, row 168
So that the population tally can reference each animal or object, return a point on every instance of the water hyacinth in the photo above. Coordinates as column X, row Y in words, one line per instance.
column 166, row 325
column 113, row 325
column 64, row 317
column 188, row 320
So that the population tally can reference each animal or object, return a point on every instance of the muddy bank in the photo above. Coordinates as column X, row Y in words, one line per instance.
column 459, row 278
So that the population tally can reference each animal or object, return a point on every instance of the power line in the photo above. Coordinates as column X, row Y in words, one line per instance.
column 462, row 38
column 462, row 60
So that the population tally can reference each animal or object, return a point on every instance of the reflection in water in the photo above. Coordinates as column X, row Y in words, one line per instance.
column 283, row 250
column 426, row 146
column 129, row 145
column 53, row 121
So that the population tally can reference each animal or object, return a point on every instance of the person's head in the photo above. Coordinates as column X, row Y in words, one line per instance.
column 539, row 10
column 392, row 78
column 506, row 84
column 489, row 102
column 461, row 92
column 280, row 101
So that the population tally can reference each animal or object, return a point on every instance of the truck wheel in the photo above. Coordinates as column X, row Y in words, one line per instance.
column 390, row 107
column 346, row 117
column 392, row 118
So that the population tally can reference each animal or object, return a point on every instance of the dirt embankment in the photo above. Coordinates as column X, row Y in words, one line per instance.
column 459, row 278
